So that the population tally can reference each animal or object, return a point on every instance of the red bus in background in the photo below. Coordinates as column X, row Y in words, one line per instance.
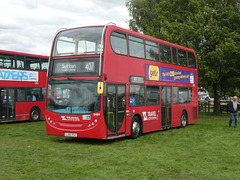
column 107, row 82
column 22, row 86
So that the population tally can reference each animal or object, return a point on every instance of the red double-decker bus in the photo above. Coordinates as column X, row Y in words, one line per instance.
column 23, row 79
column 107, row 82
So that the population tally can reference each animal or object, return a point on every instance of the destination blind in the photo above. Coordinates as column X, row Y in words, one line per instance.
column 75, row 67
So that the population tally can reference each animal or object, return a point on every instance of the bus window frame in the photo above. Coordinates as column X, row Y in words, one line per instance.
column 159, row 50
column 115, row 31
column 148, row 85
column 129, row 40
column 145, row 49
column 144, row 95
column 10, row 57
column 168, row 54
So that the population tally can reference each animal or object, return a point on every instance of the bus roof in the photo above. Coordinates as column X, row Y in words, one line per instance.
column 127, row 31
column 23, row 54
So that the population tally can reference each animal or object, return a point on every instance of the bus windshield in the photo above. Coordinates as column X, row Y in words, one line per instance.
column 82, row 41
column 73, row 97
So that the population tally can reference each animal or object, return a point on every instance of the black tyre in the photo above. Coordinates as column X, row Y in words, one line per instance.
column 135, row 128
column 184, row 119
column 35, row 114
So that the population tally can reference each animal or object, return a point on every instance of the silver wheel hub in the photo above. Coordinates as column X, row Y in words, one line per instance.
column 136, row 128
column 184, row 120
column 35, row 115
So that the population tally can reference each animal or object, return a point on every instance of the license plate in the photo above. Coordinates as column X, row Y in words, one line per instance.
column 66, row 134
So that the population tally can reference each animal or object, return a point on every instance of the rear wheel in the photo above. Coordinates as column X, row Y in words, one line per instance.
column 135, row 127
column 35, row 114
column 184, row 119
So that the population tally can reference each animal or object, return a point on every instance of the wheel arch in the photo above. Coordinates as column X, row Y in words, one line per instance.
column 36, row 107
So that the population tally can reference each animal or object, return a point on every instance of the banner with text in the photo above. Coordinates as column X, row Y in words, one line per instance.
column 18, row 75
column 157, row 73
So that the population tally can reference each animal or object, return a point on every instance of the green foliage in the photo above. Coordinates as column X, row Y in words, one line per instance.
column 204, row 150
column 210, row 27
column 168, row 20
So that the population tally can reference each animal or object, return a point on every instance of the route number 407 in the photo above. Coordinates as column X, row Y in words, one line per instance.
column 90, row 66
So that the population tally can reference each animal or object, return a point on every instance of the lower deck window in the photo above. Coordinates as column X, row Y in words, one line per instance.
column 182, row 95
column 137, row 95
column 30, row 94
column 152, row 93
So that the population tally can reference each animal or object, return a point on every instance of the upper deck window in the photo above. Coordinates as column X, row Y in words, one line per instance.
column 7, row 61
column 165, row 53
column 191, row 60
column 44, row 64
column 174, row 55
column 81, row 41
column 20, row 62
column 136, row 47
column 119, row 43
column 32, row 63
column 152, row 50
column 182, row 58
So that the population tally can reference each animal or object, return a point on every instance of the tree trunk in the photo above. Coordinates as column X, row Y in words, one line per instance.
column 217, row 100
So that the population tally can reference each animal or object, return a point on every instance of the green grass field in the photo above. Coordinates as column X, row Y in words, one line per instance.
column 208, row 149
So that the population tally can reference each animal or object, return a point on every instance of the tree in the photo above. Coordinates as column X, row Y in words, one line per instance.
column 210, row 27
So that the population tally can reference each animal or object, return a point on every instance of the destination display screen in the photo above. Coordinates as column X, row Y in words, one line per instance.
column 86, row 66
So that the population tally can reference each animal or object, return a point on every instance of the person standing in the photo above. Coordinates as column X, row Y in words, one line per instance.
column 233, row 107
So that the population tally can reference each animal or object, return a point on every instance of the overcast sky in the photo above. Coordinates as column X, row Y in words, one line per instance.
column 29, row 25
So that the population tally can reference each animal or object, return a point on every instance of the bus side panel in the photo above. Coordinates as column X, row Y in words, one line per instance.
column 23, row 109
column 150, row 117
column 176, row 115
column 193, row 115
column 128, row 125
column 177, row 111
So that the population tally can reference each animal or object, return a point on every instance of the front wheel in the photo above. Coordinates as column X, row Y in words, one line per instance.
column 35, row 114
column 184, row 119
column 135, row 128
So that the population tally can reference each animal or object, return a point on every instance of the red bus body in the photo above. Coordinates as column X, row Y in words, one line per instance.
column 22, row 86
column 138, row 94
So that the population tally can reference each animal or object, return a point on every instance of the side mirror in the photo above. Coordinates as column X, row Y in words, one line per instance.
column 100, row 88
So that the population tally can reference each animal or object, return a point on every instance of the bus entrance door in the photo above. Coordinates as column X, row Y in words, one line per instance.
column 166, row 107
column 114, row 110
column 7, row 104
